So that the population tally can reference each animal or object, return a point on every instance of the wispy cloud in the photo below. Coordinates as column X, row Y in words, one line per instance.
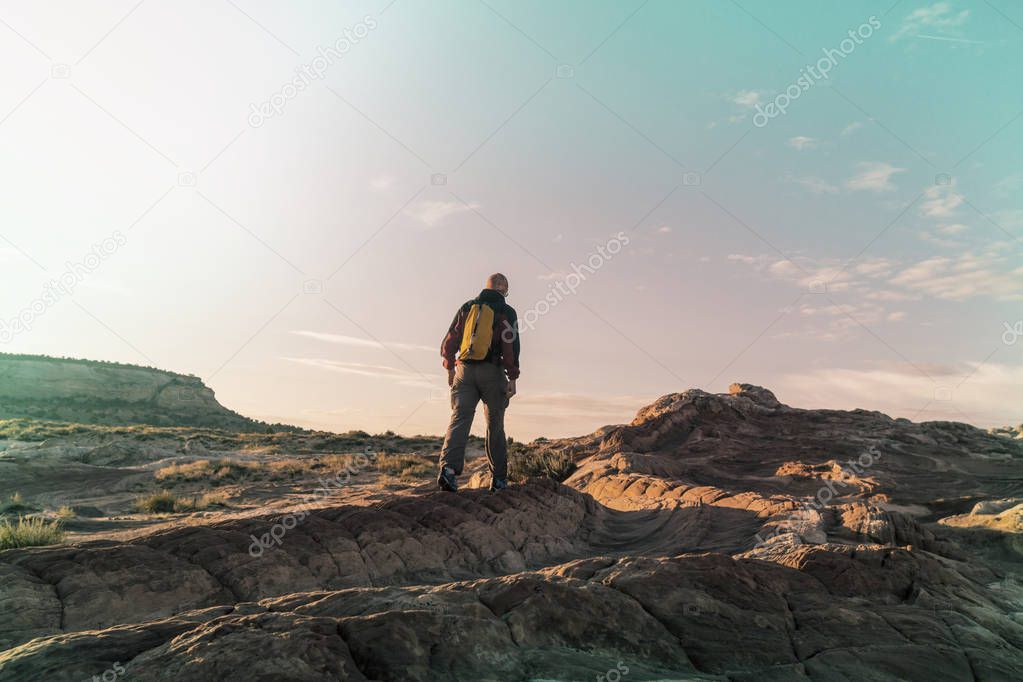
column 362, row 343
column 601, row 409
column 747, row 98
column 875, row 176
column 964, row 277
column 851, row 128
column 948, row 39
column 983, row 394
column 938, row 18
column 801, row 142
column 940, row 201
column 361, row 369
column 993, row 273
column 812, row 183
column 434, row 212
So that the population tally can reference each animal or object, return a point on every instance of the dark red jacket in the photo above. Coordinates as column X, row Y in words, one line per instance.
column 504, row 349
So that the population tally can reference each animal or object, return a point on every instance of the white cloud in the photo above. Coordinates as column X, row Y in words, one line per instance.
column 851, row 128
column 372, row 371
column 988, row 395
column 947, row 39
column 343, row 340
column 801, row 142
column 874, row 267
column 747, row 98
column 889, row 295
column 994, row 273
column 433, row 212
column 964, row 277
column 938, row 18
column 940, row 241
column 664, row 229
column 955, row 228
column 874, row 176
column 941, row 201
column 897, row 315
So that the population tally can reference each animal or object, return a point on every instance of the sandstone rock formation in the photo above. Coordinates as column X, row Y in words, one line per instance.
column 717, row 536
column 93, row 392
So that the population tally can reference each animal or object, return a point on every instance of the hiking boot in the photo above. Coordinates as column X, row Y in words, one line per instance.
column 447, row 480
column 498, row 484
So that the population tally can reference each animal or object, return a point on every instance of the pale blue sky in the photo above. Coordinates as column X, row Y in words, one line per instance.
column 861, row 250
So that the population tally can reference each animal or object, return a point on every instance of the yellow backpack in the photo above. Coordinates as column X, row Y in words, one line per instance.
column 478, row 332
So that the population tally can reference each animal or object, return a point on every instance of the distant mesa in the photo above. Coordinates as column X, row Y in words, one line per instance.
column 93, row 392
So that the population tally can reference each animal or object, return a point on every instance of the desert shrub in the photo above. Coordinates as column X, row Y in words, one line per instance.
column 288, row 467
column 405, row 466
column 531, row 464
column 30, row 532
column 204, row 469
column 339, row 462
column 65, row 513
column 162, row 502
column 166, row 502
column 216, row 498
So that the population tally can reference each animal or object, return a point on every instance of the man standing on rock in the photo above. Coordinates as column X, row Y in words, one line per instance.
column 481, row 354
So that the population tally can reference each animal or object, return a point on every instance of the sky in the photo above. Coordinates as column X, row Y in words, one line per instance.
column 290, row 200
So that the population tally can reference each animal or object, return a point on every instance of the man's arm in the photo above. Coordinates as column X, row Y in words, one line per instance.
column 510, row 346
column 452, row 340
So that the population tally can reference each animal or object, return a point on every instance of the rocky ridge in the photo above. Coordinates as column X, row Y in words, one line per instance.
column 716, row 536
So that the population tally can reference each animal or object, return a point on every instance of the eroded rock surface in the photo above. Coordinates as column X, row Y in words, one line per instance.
column 714, row 537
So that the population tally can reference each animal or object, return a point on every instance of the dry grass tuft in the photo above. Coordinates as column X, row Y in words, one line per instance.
column 30, row 532
column 166, row 502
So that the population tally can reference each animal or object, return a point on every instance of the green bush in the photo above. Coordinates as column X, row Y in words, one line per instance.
column 30, row 532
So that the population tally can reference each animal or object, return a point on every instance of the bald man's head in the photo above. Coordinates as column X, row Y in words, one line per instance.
column 499, row 282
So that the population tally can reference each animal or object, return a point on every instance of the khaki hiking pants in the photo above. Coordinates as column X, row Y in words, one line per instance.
column 474, row 382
